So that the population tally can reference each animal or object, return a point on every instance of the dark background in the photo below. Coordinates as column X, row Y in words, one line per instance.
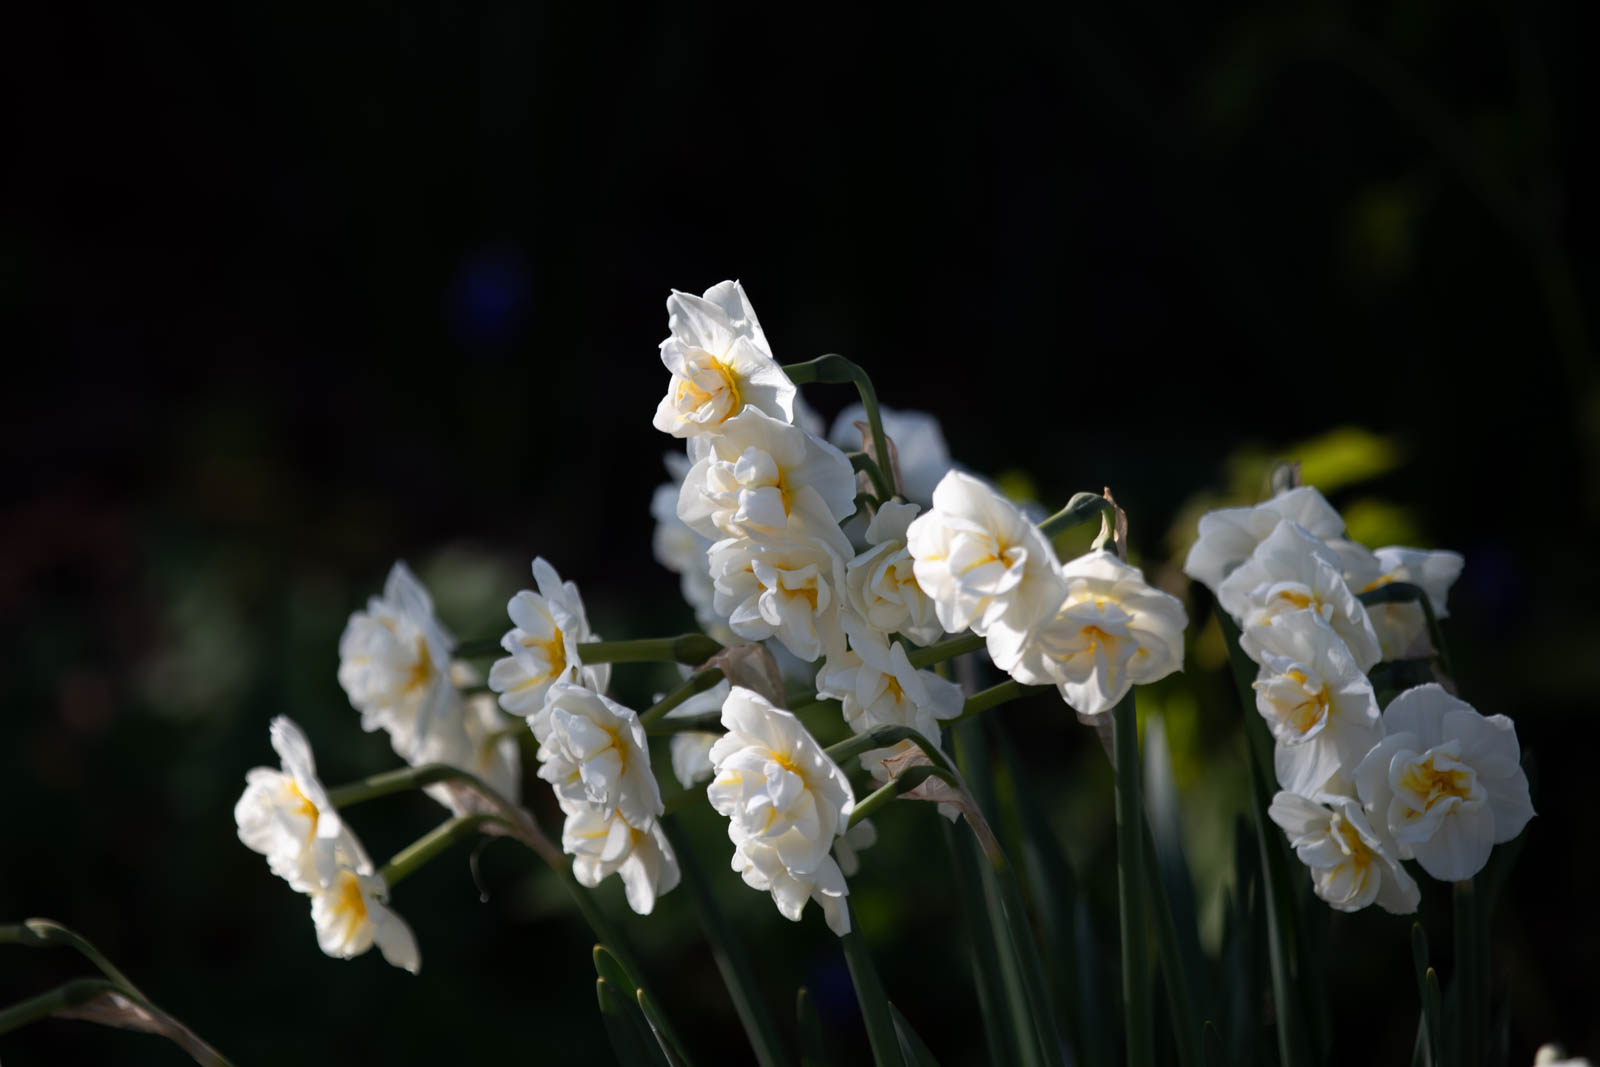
column 289, row 291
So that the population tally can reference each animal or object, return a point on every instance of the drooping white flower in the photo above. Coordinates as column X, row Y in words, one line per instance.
column 785, row 802
column 920, row 451
column 980, row 560
column 286, row 816
column 1293, row 571
column 1228, row 536
column 1352, row 863
column 720, row 363
column 878, row 686
column 748, row 478
column 1446, row 781
column 1316, row 700
column 1402, row 627
column 789, row 589
column 882, row 582
column 394, row 661
column 593, row 752
column 602, row 845
column 548, row 627
column 352, row 914
column 1111, row 630
column 691, row 749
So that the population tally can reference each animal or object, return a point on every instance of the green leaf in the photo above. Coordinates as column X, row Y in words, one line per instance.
column 660, row 1031
column 1211, row 1046
column 1137, row 1001
column 1170, row 891
column 626, row 1028
column 1429, row 1034
column 870, row 995
column 999, row 1031
column 912, row 1048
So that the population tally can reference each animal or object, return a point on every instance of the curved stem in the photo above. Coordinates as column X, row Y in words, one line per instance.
column 883, row 737
column 1082, row 508
column 47, row 933
column 940, row 651
column 698, row 682
column 994, row 696
column 834, row 369
column 408, row 860
column 902, row 783
column 67, row 995
column 398, row 781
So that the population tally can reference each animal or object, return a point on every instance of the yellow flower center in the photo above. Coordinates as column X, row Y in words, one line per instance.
column 1310, row 711
column 1433, row 784
column 304, row 806
column 555, row 650
column 728, row 386
column 349, row 902
column 422, row 670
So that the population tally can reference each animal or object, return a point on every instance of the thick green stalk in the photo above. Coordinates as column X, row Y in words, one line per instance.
column 901, row 783
column 1137, row 1013
column 691, row 649
column 67, row 995
column 414, row 856
column 381, row 785
column 834, row 369
column 871, row 996
column 994, row 696
column 696, row 683
column 940, row 651
column 728, row 952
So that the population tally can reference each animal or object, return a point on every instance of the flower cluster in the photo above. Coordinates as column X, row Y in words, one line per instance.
column 286, row 816
column 1427, row 778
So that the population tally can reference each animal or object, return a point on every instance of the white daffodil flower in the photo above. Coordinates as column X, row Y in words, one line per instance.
column 981, row 562
column 881, row 582
column 1446, row 781
column 1402, row 628
column 920, row 452
column 785, row 802
column 720, row 363
column 548, row 627
column 593, row 752
column 684, row 553
column 789, row 590
column 1109, row 632
column 1293, row 571
column 847, row 848
column 691, row 749
column 602, row 845
column 352, row 914
column 394, row 661
column 1316, row 700
column 1352, row 864
column 475, row 742
column 286, row 816
column 1229, row 536
column 748, row 478
column 879, row 687
column 1556, row 1056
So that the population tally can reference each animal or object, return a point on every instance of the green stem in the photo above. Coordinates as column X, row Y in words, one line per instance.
column 709, row 722
column 1138, row 1017
column 729, row 953
column 67, row 995
column 901, row 783
column 861, row 462
column 871, row 996
column 696, row 683
column 940, row 651
column 834, row 369
column 994, row 696
column 1027, row 955
column 883, row 737
column 408, row 860
column 381, row 785
column 691, row 649
column 1082, row 508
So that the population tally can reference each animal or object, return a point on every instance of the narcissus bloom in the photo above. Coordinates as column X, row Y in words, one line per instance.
column 1110, row 631
column 755, row 471
column 1403, row 627
column 691, row 749
column 683, row 552
column 592, row 750
column 1293, row 571
column 1446, row 781
column 474, row 741
column 352, row 914
column 394, row 661
column 785, row 802
column 286, row 816
column 602, row 845
column 879, row 687
column 1316, row 700
column 789, row 590
column 980, row 560
column 1352, row 863
column 882, row 582
column 720, row 363
column 1229, row 536
column 548, row 627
